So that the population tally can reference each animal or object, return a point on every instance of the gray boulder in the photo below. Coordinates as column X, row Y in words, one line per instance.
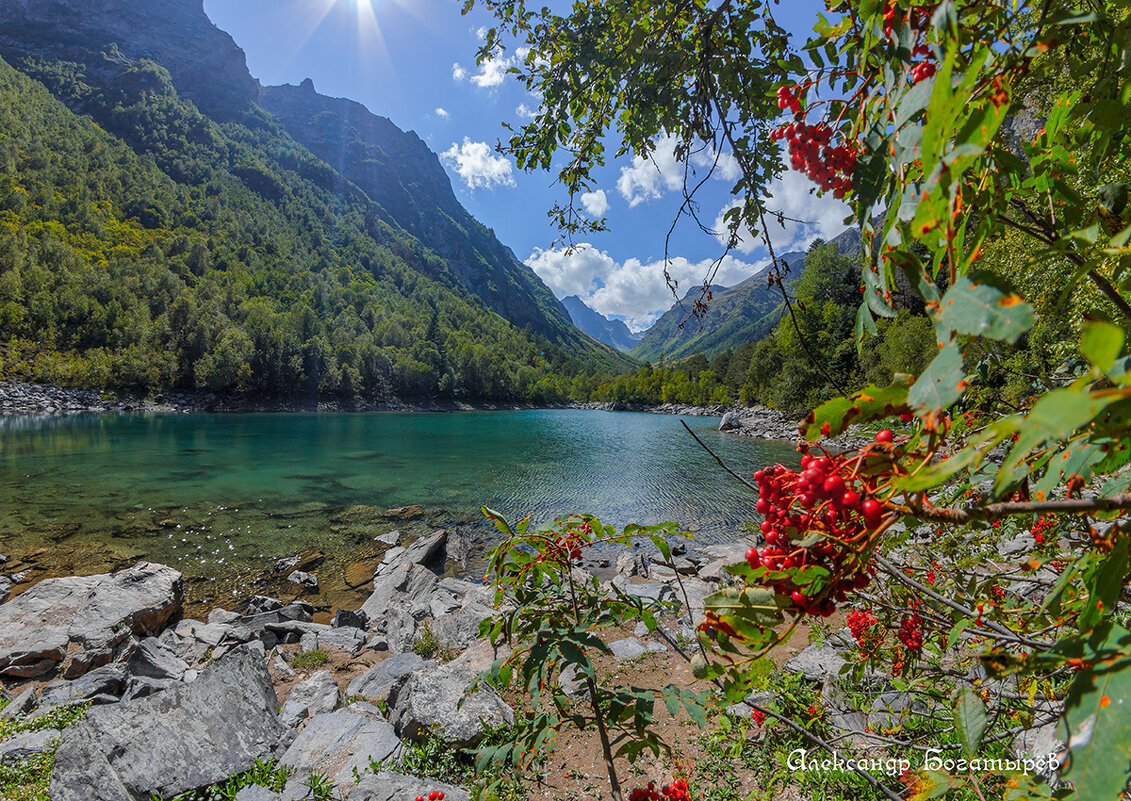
column 654, row 592
column 345, row 618
column 459, row 628
column 156, row 660
column 396, row 787
column 434, row 700
column 261, row 603
column 632, row 648
column 408, row 587
column 348, row 639
column 103, row 685
column 730, row 421
column 421, row 552
column 815, row 662
column 317, row 694
column 5, row 588
column 305, row 580
column 253, row 792
column 79, row 621
column 27, row 744
column 20, row 705
column 334, row 743
column 182, row 739
column 376, row 682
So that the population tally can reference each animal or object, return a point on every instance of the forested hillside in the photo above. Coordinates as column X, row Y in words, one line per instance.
column 735, row 316
column 146, row 246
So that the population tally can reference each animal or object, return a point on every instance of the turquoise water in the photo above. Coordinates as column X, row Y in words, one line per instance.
column 214, row 492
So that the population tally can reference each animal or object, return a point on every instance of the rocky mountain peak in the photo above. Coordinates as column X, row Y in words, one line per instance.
column 205, row 63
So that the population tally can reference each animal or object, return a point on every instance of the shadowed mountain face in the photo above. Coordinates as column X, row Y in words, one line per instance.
column 745, row 312
column 600, row 327
column 398, row 171
column 205, row 63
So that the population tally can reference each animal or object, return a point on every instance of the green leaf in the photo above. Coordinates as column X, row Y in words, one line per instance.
column 941, row 384
column 985, row 311
column 969, row 718
column 870, row 403
column 1097, row 725
column 1101, row 344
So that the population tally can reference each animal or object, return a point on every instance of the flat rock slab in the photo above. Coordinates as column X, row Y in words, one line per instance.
column 397, row 787
column 376, row 682
column 334, row 743
column 631, row 648
column 182, row 739
column 27, row 744
column 311, row 697
column 79, row 620
column 253, row 792
column 429, row 700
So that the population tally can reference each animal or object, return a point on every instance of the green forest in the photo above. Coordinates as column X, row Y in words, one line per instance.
column 147, row 248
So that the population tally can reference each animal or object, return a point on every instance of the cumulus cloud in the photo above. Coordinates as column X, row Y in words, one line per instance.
column 442, row 113
column 491, row 73
column 648, row 178
column 524, row 112
column 477, row 165
column 595, row 203
column 791, row 195
column 633, row 289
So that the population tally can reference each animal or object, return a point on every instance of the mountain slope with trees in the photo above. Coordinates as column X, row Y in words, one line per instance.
column 149, row 246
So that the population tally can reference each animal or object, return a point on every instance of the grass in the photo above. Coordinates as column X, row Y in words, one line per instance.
column 310, row 660
column 426, row 646
column 28, row 779
column 264, row 774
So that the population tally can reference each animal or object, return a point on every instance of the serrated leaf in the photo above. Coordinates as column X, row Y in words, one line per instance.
column 941, row 384
column 985, row 311
column 969, row 718
column 870, row 403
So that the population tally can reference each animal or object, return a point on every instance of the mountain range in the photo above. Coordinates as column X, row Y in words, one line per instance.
column 176, row 225
column 600, row 327
column 745, row 312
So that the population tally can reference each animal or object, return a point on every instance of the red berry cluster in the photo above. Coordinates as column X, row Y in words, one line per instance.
column 811, row 151
column 676, row 791
column 860, row 623
column 567, row 548
column 911, row 632
column 788, row 100
column 826, row 496
column 758, row 716
column 922, row 71
column 920, row 16
column 1041, row 528
column 435, row 795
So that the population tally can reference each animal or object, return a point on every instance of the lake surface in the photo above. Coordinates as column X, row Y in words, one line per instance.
column 213, row 494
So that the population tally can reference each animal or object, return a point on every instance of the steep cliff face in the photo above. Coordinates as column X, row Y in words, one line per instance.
column 109, row 36
column 600, row 327
column 398, row 171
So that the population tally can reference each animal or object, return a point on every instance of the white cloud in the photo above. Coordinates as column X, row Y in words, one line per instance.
column 442, row 113
column 595, row 203
column 791, row 195
column 726, row 166
column 634, row 290
column 477, row 165
column 491, row 73
column 648, row 178
column 524, row 112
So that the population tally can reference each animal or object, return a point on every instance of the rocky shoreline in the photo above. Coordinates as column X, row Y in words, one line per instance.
column 177, row 705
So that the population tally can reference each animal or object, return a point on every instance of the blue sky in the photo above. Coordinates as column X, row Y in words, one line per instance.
column 413, row 61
